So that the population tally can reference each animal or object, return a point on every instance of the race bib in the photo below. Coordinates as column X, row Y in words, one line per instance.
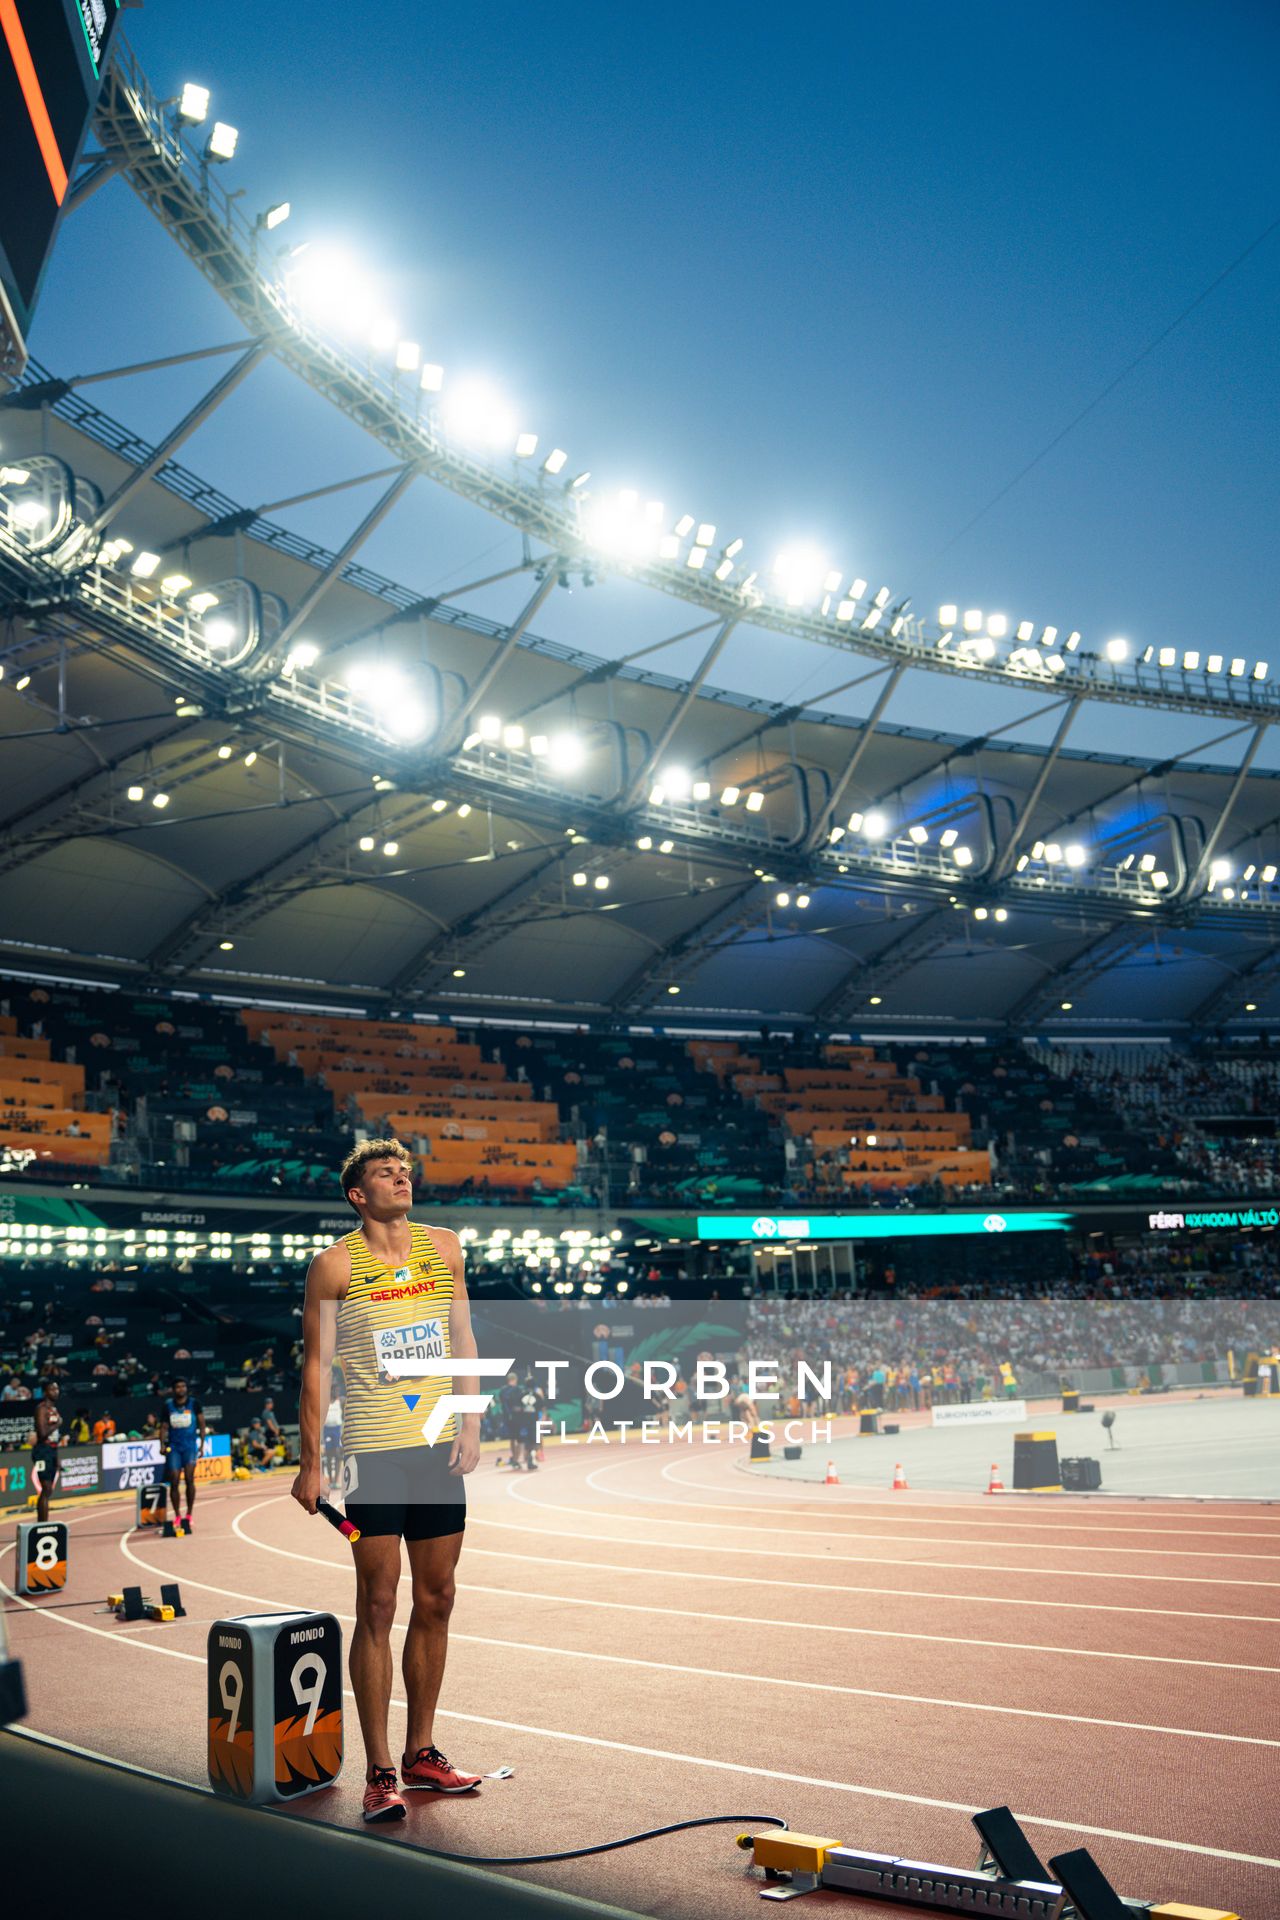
column 402, row 1352
column 180, row 1417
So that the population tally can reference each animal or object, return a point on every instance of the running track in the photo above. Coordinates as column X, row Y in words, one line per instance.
column 646, row 1634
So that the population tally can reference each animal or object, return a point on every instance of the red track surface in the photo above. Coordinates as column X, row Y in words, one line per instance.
column 647, row 1634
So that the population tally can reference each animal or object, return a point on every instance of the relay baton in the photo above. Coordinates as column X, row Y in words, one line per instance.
column 338, row 1520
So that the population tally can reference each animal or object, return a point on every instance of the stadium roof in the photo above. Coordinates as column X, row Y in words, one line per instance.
column 241, row 761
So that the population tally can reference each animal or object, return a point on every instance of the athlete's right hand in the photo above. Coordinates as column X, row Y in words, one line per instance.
column 309, row 1487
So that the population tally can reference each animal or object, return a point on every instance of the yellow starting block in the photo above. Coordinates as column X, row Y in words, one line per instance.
column 786, row 1852
column 1175, row 1910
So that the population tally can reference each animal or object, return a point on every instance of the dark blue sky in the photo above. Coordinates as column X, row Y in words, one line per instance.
column 834, row 273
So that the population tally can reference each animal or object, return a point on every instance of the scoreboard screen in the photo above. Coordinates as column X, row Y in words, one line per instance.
column 52, row 56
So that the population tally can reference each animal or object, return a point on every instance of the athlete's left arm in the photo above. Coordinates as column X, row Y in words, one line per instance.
column 465, row 1452
column 200, row 1426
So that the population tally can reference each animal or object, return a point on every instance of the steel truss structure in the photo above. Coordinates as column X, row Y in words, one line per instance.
column 992, row 847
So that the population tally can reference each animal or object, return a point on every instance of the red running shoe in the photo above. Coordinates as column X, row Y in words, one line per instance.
column 381, row 1799
column 430, row 1770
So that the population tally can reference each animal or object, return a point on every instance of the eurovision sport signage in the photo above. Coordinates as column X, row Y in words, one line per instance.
column 884, row 1225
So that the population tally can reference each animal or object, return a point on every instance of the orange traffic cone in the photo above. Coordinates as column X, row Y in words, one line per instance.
column 997, row 1484
column 833, row 1478
column 900, row 1480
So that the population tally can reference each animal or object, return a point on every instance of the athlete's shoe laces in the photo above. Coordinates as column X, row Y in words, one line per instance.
column 430, row 1770
column 381, row 1797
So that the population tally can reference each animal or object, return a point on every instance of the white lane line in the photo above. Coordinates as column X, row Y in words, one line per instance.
column 895, row 1539
column 730, row 1766
column 759, row 1679
column 828, row 1559
column 810, row 1627
column 799, row 1586
column 853, row 1496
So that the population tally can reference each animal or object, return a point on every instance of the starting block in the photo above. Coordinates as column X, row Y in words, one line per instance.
column 41, row 1557
column 132, row 1604
column 1008, row 1878
column 274, row 1705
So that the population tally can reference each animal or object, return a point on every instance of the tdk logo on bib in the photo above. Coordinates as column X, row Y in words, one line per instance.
column 402, row 1352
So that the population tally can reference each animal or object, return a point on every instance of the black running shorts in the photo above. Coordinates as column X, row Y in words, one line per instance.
column 408, row 1491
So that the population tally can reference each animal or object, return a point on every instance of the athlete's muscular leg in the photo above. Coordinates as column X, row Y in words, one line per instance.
column 189, row 1475
column 432, row 1564
column 42, row 1496
column 377, row 1559
column 174, row 1477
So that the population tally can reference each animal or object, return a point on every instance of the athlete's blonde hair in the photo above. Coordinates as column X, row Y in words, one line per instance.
column 359, row 1157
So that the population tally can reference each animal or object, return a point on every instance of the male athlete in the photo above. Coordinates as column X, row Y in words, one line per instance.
column 386, row 1294
column 44, row 1454
column 182, row 1437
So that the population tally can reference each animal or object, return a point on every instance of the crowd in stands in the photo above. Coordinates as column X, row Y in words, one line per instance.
column 133, row 1088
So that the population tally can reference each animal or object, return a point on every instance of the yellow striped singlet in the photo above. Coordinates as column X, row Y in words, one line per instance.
column 406, row 1312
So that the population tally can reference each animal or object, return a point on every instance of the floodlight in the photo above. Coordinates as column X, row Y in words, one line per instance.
column 226, row 946
column 754, row 802
column 173, row 584
column 391, row 848
column 1075, row 855
column 855, row 821
column 476, row 414
column 672, row 989
column 836, row 833
column 1117, row 650
column 201, row 602
column 676, row 781
column 845, row 610
column 579, row 879
column 665, row 846
column 1168, row 656
column 136, row 793
column 1190, row 661
column 1260, row 670
column 963, row 856
column 656, row 796
column 579, row 481
column 489, row 726
column 459, row 973
column 145, row 565
column 985, row 648
column 724, row 570
column 654, row 512
column 438, row 806
column 1220, row 870
column 193, row 104
column 464, row 810
column 555, row 460
column 1073, row 640
column 645, row 842
column 513, row 737
column 224, row 751
column 702, row 789
column 980, row 913
column 1268, row 875
column 565, row 753
column 305, row 654
column 1214, row 663
column 973, row 620
column 1066, row 1006
column 601, row 883
column 919, row 834
column 406, row 721
column 875, row 825
column 802, row 900
column 160, row 800
column 684, row 526
column 218, row 632
column 705, row 535
column 733, row 549
column 29, row 512
column 1147, row 863
column 784, row 900
column 1237, row 668
column 408, row 354
column 729, row 797
column 367, row 843
column 668, row 547
column 526, row 445
column 1052, row 852
column 997, row 625
column 1160, row 881
column 697, row 558
column 799, row 572
column 221, row 144
column 1002, row 913
column 251, row 757
column 1026, row 629
column 948, row 837
column 275, row 216
column 948, row 615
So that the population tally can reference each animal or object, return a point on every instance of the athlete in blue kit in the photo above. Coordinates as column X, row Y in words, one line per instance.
column 182, row 1434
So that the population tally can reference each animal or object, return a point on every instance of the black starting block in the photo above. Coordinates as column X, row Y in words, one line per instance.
column 1008, row 1879
column 132, row 1604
